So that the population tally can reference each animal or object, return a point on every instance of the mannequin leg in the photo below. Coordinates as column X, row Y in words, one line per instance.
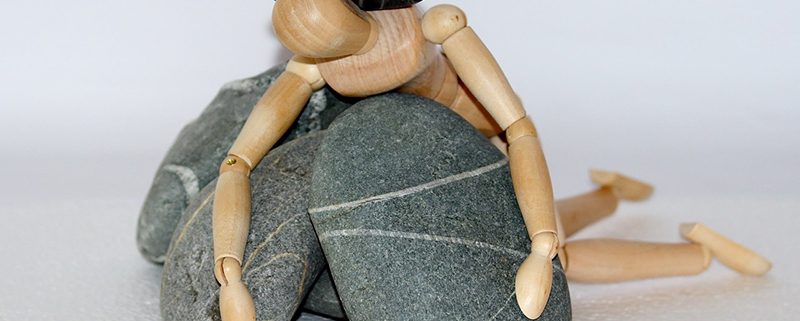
column 607, row 260
column 580, row 211
column 731, row 254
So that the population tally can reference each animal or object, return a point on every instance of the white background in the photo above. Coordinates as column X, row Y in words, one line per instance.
column 702, row 98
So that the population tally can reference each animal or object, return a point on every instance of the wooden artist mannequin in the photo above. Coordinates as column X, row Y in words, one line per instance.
column 362, row 53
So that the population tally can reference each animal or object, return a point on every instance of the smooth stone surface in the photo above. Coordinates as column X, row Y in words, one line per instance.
column 282, row 258
column 193, row 160
column 417, row 217
column 312, row 317
column 323, row 299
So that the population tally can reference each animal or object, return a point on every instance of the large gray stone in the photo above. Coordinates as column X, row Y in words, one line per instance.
column 323, row 299
column 312, row 317
column 282, row 258
column 417, row 217
column 193, row 160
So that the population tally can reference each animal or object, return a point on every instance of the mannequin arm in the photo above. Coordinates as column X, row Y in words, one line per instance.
column 479, row 71
column 269, row 120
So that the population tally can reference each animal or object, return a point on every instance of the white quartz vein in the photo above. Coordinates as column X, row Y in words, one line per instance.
column 187, row 176
column 503, row 306
column 424, row 237
column 412, row 190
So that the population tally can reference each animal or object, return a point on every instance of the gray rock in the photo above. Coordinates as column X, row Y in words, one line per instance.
column 323, row 299
column 282, row 258
column 417, row 217
column 312, row 317
column 193, row 160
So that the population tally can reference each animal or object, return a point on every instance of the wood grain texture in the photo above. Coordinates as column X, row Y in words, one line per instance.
column 442, row 21
column 501, row 145
column 235, row 301
column 400, row 54
column 532, row 183
column 231, row 220
column 732, row 254
column 468, row 107
column 271, row 117
column 623, row 186
column 580, row 211
column 520, row 128
column 533, row 283
column 606, row 260
column 440, row 83
column 322, row 28
column 481, row 73
column 307, row 69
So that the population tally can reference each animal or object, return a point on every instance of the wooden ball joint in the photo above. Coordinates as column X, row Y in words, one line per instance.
column 442, row 21
column 361, row 53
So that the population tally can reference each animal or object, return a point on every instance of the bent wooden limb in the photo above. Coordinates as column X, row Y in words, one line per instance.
column 481, row 74
column 580, row 211
column 732, row 254
column 269, row 120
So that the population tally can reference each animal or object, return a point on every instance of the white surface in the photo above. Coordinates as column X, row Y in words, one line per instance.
column 700, row 97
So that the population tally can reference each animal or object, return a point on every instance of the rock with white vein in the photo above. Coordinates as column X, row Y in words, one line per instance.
column 282, row 258
column 417, row 217
column 194, row 158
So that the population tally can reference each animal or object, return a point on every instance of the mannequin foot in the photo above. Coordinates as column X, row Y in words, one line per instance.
column 624, row 187
column 731, row 254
